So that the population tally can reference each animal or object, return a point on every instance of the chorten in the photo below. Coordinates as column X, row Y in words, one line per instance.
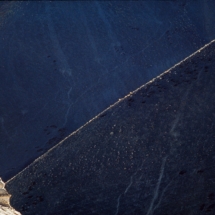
column 5, row 208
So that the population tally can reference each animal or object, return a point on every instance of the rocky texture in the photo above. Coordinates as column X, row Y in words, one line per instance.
column 151, row 153
column 5, row 208
column 4, row 195
column 61, row 63
column 8, row 211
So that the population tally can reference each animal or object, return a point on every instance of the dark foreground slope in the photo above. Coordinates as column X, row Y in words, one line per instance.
column 63, row 62
column 150, row 153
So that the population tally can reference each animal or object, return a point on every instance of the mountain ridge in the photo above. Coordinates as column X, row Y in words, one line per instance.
column 120, row 100
column 150, row 153
column 63, row 62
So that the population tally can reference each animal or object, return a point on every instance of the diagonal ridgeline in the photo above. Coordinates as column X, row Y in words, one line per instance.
column 152, row 152
column 63, row 62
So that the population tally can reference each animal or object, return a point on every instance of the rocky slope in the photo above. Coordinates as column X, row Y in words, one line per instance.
column 63, row 62
column 150, row 153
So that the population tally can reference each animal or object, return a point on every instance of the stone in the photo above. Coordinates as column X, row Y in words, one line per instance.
column 159, row 159
column 5, row 208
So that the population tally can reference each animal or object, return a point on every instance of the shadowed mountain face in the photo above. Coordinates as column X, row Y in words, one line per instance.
column 151, row 153
column 61, row 63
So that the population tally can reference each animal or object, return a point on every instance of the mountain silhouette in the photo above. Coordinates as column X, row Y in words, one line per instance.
column 63, row 62
column 150, row 153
